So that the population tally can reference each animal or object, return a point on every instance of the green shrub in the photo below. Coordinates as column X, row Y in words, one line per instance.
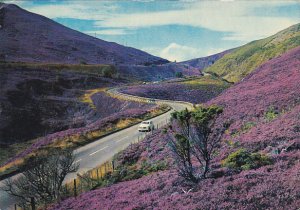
column 130, row 172
column 247, row 126
column 245, row 160
column 109, row 71
column 271, row 114
column 179, row 74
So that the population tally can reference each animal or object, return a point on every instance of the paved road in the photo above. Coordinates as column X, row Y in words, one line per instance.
column 102, row 150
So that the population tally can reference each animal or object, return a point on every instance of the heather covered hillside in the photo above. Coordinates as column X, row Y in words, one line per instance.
column 237, row 64
column 29, row 37
column 202, row 63
column 263, row 111
column 157, row 72
column 194, row 90
column 38, row 100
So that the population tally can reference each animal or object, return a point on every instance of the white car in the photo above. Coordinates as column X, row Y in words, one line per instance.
column 146, row 126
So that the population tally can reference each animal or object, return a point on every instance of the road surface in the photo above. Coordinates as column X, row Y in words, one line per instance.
column 102, row 150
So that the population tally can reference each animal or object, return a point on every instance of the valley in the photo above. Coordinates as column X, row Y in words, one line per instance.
column 226, row 126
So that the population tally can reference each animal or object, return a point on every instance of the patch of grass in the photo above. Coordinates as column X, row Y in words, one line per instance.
column 11, row 167
column 130, row 172
column 244, row 129
column 98, row 69
column 245, row 160
column 240, row 62
column 232, row 143
column 247, row 126
column 86, row 98
column 271, row 114
column 207, row 80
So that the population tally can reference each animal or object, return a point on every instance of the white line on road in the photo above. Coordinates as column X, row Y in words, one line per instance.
column 122, row 139
column 98, row 150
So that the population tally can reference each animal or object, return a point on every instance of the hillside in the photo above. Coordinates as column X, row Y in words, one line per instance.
column 202, row 63
column 156, row 72
column 243, row 60
column 195, row 90
column 264, row 111
column 29, row 37
column 41, row 99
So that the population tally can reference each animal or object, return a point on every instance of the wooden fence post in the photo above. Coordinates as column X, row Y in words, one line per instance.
column 75, row 188
column 32, row 202
column 66, row 189
column 81, row 185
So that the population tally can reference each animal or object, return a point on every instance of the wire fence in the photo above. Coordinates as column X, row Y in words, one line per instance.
column 91, row 179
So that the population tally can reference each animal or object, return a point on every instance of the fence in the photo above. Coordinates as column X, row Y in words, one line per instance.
column 91, row 179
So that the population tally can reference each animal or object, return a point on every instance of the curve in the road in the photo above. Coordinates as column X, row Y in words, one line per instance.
column 102, row 150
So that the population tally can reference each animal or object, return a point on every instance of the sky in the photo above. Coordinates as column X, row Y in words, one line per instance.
column 175, row 30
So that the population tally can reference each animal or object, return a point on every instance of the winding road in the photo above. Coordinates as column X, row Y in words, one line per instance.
column 102, row 150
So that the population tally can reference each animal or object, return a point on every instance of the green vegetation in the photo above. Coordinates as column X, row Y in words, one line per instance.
column 206, row 82
column 97, row 69
column 132, row 171
column 271, row 114
column 244, row 129
column 243, row 60
column 179, row 74
column 6, row 151
column 109, row 71
column 195, row 137
column 245, row 160
column 247, row 126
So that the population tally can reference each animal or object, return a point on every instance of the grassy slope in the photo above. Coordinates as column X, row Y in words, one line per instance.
column 242, row 61
column 97, row 69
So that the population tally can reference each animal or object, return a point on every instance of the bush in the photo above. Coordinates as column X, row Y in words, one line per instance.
column 245, row 160
column 130, row 172
column 194, row 135
column 247, row 126
column 109, row 71
column 179, row 74
column 271, row 114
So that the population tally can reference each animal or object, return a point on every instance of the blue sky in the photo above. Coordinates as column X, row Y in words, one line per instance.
column 175, row 30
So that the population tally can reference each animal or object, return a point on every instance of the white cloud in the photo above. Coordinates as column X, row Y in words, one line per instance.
column 175, row 51
column 107, row 32
column 234, row 17
column 80, row 10
column 179, row 52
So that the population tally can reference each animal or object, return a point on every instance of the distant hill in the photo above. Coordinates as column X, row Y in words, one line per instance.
column 28, row 37
column 240, row 62
column 202, row 63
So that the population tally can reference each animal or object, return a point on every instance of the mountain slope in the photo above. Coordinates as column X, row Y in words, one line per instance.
column 29, row 37
column 275, row 186
column 202, row 63
column 243, row 60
